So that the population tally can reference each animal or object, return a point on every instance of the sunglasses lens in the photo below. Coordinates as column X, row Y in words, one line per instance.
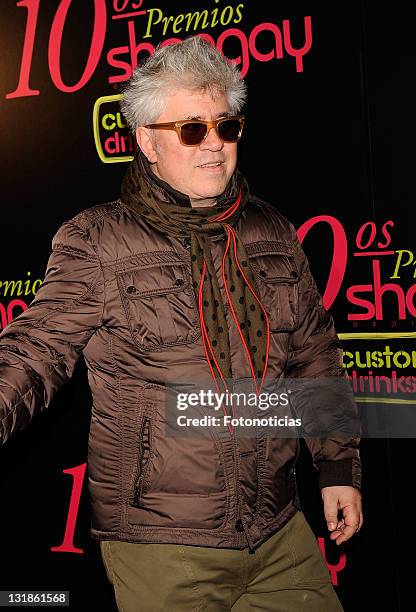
column 229, row 130
column 193, row 133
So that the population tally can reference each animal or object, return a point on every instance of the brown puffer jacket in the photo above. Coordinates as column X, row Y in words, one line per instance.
column 120, row 293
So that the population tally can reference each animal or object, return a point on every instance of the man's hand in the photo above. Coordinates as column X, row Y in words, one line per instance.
column 347, row 499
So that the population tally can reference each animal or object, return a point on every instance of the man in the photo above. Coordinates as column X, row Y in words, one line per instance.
column 187, row 277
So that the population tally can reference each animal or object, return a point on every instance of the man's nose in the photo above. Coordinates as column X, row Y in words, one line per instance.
column 212, row 141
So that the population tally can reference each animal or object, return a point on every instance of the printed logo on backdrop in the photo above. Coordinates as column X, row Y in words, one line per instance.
column 113, row 141
column 142, row 28
column 378, row 354
column 15, row 297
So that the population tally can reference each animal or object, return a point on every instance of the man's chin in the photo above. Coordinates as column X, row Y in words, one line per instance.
column 211, row 190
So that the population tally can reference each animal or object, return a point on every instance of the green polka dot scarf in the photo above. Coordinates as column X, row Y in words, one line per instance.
column 171, row 212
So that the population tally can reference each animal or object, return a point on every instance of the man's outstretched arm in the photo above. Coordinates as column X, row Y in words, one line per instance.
column 39, row 349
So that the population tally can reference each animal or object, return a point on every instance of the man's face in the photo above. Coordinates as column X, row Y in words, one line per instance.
column 184, row 167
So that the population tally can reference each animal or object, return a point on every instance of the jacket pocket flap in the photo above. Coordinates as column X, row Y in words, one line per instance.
column 275, row 266
column 153, row 280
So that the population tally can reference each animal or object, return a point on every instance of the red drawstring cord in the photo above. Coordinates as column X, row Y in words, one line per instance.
column 225, row 215
column 230, row 211
column 205, row 339
column 261, row 306
column 231, row 306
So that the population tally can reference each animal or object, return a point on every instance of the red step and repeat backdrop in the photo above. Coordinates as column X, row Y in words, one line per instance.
column 329, row 139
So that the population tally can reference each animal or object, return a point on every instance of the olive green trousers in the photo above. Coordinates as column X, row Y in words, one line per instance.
column 287, row 573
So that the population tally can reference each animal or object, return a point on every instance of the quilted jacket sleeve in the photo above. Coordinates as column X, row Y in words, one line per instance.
column 39, row 349
column 315, row 361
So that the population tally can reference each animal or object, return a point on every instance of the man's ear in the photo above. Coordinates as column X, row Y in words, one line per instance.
column 146, row 144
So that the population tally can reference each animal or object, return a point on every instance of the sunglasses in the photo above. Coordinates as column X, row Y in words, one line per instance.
column 193, row 132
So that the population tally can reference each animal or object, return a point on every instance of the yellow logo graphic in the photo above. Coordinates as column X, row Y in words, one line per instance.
column 113, row 140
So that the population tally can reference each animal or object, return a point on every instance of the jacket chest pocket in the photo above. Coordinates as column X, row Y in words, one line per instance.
column 277, row 278
column 159, row 303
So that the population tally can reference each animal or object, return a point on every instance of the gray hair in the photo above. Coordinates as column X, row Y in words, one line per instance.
column 192, row 64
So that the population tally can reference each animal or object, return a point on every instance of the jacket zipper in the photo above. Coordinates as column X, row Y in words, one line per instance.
column 143, row 460
column 239, row 520
column 296, row 501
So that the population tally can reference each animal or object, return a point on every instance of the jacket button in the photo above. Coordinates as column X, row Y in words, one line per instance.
column 263, row 273
column 179, row 281
column 187, row 243
column 131, row 289
column 293, row 274
column 239, row 525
